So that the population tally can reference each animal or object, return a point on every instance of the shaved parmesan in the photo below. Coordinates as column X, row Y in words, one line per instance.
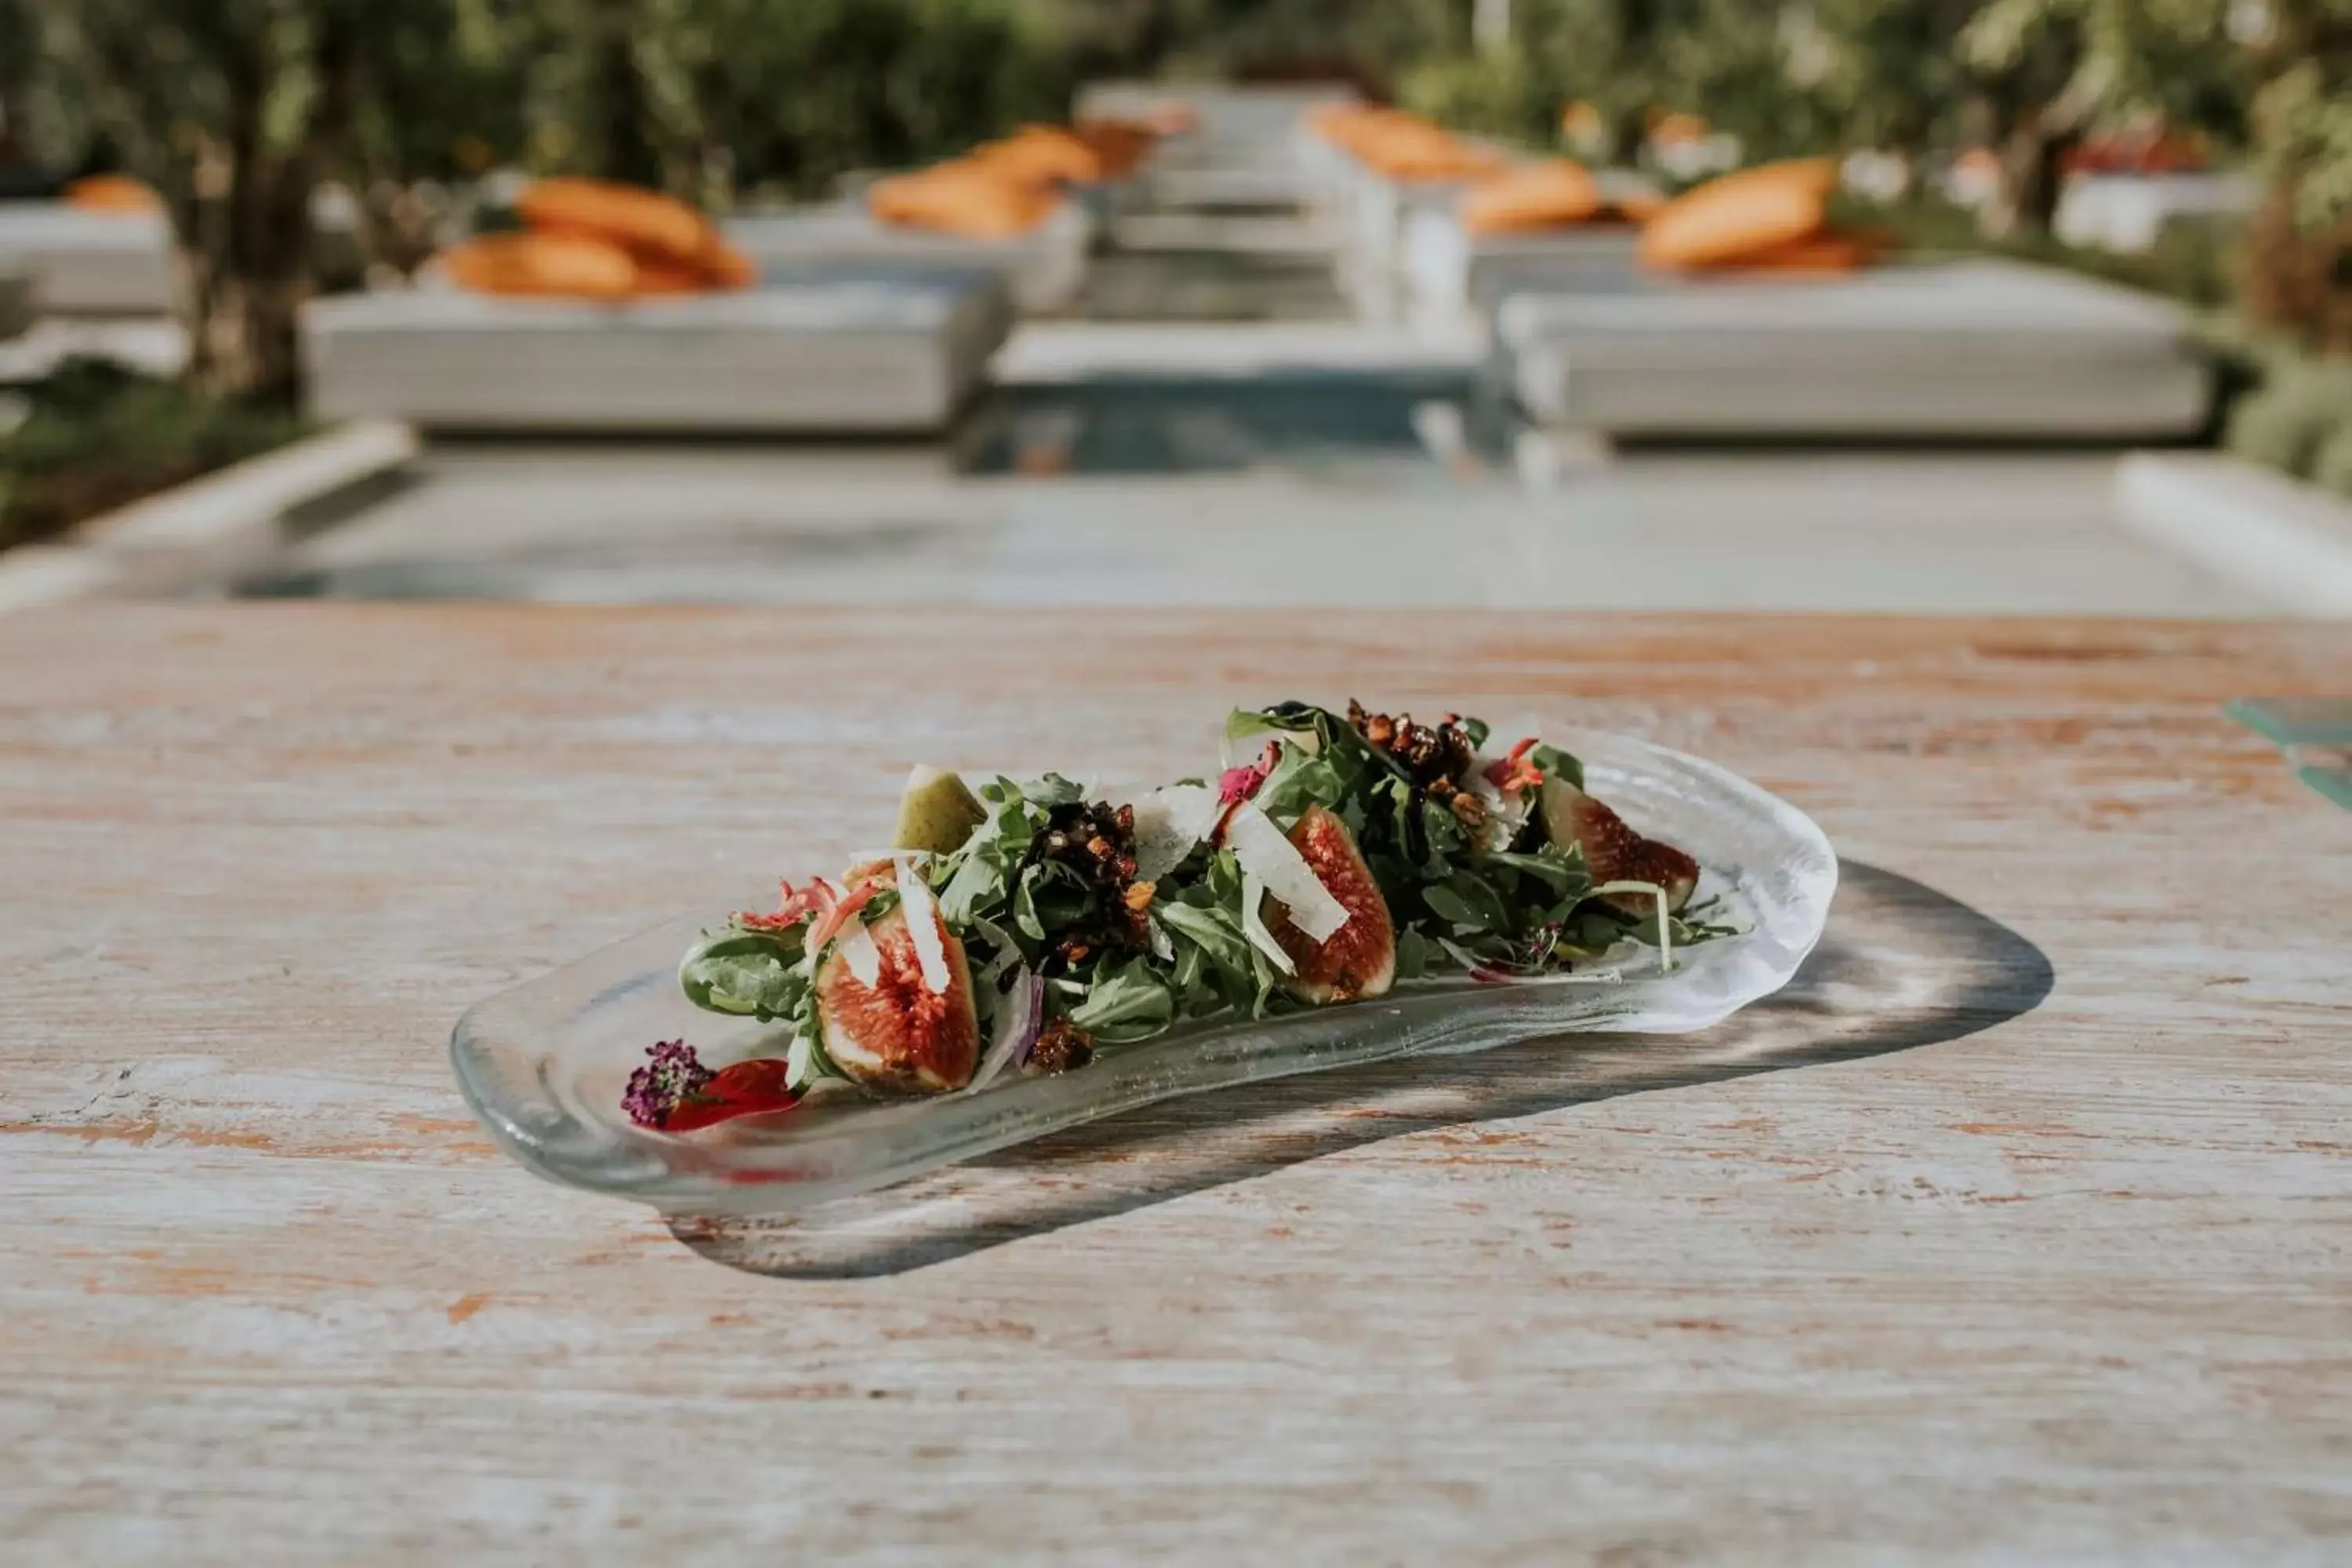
column 1505, row 813
column 922, row 913
column 857, row 951
column 1265, row 853
column 1254, row 925
column 1168, row 824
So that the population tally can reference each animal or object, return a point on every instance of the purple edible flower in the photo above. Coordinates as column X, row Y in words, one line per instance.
column 671, row 1076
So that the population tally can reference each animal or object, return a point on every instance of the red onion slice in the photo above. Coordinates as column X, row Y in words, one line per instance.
column 1020, row 1013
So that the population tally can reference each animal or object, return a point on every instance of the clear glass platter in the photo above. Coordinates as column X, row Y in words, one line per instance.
column 543, row 1063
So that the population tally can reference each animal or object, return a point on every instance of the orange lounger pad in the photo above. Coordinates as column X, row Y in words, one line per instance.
column 1555, row 195
column 644, row 223
column 571, row 266
column 1741, row 214
column 1829, row 252
column 1120, row 144
column 960, row 198
column 112, row 194
column 1042, row 152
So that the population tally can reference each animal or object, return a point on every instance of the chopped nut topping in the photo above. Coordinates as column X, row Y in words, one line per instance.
column 1060, row 1047
column 1096, row 841
column 1429, row 756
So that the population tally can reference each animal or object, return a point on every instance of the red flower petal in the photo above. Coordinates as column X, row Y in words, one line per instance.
column 746, row 1089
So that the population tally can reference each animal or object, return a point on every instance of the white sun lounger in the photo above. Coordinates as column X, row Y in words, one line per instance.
column 1044, row 269
column 86, row 263
column 1448, row 273
column 1964, row 349
column 898, row 354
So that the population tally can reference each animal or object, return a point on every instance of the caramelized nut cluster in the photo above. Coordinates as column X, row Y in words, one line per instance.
column 1434, row 759
column 1097, row 842
column 1061, row 1046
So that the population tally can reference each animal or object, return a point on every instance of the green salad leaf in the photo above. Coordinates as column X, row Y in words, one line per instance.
column 1045, row 892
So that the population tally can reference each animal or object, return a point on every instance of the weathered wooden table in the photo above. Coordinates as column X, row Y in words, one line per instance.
column 2020, row 1226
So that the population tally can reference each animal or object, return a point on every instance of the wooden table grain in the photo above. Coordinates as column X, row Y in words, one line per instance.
column 2020, row 1228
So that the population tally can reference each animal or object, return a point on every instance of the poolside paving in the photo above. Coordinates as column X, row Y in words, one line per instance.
column 1926, row 533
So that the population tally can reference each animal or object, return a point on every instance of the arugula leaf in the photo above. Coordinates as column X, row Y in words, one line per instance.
column 1449, row 905
column 1127, row 1003
column 976, row 884
column 1215, row 935
column 1560, row 870
column 1054, row 790
column 1024, row 903
column 1297, row 782
column 1488, row 911
column 1555, row 764
column 745, row 974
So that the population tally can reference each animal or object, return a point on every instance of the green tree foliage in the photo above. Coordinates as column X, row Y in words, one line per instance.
column 1629, row 60
column 2044, row 73
column 234, row 110
column 2299, row 277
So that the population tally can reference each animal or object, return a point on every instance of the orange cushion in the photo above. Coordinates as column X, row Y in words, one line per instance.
column 644, row 222
column 657, row 276
column 1740, row 214
column 575, row 266
column 1042, row 152
column 1554, row 195
column 1331, row 120
column 1405, row 148
column 113, row 194
column 1354, row 125
column 724, row 267
column 960, row 198
column 1173, row 117
column 1829, row 251
column 1119, row 143
column 1637, row 207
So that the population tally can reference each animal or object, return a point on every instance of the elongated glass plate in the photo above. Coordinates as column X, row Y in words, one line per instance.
column 544, row 1064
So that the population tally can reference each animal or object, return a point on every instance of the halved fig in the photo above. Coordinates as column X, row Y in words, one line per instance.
column 1613, row 852
column 886, row 1027
column 1359, row 959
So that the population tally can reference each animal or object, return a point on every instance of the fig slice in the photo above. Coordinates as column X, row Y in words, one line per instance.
column 1614, row 852
column 1359, row 959
column 887, row 1028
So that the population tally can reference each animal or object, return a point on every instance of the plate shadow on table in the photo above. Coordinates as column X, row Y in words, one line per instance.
column 1900, row 966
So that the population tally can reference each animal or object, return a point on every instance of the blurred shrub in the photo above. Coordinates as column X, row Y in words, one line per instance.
column 95, row 436
column 782, row 97
column 2332, row 469
column 2300, row 421
column 1492, row 93
column 2193, row 262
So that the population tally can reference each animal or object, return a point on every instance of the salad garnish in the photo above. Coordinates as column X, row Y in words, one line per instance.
column 1024, row 928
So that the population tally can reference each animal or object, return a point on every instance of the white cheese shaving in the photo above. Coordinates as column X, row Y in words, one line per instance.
column 1168, row 824
column 1265, row 853
column 1254, row 927
column 856, row 945
column 1505, row 814
column 922, row 912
